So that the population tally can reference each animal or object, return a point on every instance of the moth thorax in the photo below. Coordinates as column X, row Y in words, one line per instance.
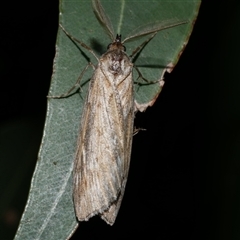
column 116, row 62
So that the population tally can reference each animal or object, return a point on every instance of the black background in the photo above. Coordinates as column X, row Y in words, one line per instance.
column 184, row 175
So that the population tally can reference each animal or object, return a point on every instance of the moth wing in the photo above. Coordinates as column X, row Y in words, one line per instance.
column 101, row 164
column 110, row 215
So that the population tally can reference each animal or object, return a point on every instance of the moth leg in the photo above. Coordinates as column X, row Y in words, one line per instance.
column 140, row 47
column 78, row 41
column 136, row 130
column 143, row 78
column 135, row 51
column 76, row 85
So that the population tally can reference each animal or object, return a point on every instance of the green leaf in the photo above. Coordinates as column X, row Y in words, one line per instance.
column 49, row 212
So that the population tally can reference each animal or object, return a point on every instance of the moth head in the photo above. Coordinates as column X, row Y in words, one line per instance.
column 117, row 44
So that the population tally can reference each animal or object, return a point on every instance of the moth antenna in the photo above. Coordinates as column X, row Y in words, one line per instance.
column 103, row 18
column 152, row 28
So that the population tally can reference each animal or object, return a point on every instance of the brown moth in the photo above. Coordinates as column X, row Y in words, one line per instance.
column 104, row 144
column 105, row 140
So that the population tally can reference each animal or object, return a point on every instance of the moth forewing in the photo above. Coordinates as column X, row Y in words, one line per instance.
column 104, row 145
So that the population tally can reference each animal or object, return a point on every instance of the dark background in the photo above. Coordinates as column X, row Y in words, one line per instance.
column 188, row 158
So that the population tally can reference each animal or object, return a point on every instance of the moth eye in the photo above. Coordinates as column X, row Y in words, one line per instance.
column 124, row 48
column 109, row 45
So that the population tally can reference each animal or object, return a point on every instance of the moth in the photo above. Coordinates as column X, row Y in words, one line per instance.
column 103, row 153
